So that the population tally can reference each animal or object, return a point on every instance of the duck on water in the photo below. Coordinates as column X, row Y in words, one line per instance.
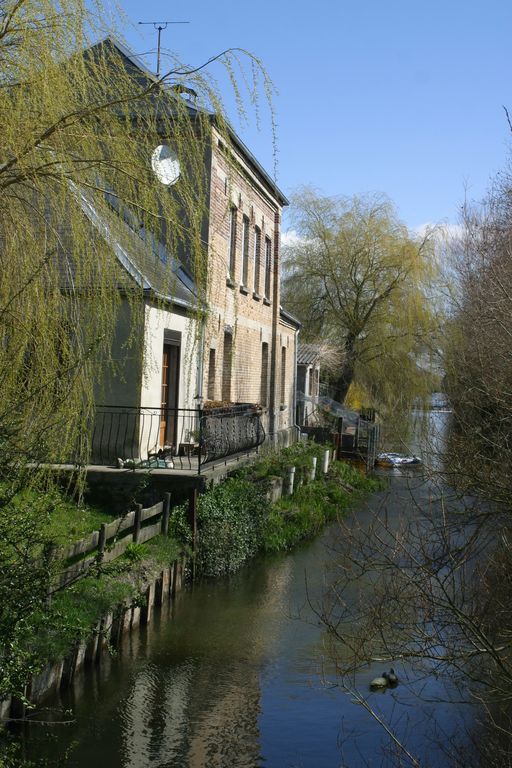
column 388, row 680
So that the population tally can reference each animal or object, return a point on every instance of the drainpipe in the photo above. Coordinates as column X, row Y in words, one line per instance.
column 199, row 388
column 200, row 362
column 275, row 320
column 294, row 399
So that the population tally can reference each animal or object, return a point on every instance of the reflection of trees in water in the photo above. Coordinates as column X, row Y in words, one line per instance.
column 203, row 711
column 424, row 584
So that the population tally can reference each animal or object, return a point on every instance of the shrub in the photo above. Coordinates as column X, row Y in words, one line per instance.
column 229, row 522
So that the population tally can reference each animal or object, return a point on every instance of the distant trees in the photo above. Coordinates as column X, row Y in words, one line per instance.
column 478, row 345
column 355, row 277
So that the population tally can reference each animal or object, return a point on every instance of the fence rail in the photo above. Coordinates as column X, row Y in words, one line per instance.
column 111, row 541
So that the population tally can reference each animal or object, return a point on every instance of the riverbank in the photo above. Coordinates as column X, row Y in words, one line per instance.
column 236, row 520
column 239, row 671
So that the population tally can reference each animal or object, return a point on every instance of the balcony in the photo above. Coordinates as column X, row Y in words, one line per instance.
column 174, row 438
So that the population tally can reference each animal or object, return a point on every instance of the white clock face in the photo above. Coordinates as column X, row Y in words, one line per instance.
column 165, row 164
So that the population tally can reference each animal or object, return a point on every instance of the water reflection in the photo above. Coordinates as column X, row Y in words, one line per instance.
column 239, row 673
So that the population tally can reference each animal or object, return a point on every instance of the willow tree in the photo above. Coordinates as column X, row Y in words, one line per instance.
column 79, row 125
column 357, row 278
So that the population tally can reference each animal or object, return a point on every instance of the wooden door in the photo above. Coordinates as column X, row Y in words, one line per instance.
column 169, row 395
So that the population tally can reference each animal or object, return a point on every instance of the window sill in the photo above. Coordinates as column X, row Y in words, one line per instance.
column 229, row 282
column 244, row 290
column 283, row 407
column 266, row 301
column 256, row 296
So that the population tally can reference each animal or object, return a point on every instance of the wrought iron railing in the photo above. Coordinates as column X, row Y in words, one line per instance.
column 173, row 438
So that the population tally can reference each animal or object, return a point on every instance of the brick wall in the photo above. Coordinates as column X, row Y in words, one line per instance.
column 242, row 316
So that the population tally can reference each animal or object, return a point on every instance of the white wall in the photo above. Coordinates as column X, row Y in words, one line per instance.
column 157, row 320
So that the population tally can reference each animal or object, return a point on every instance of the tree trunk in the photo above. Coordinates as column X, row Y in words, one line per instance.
column 346, row 374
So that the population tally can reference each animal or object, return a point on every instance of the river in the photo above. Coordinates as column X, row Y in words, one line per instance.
column 236, row 674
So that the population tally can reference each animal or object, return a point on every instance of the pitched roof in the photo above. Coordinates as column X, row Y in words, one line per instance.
column 161, row 274
column 150, row 269
column 308, row 354
column 145, row 77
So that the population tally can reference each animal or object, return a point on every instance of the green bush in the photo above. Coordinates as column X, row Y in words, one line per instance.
column 229, row 523
column 235, row 520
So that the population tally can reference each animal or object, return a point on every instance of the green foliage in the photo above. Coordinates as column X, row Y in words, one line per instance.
column 11, row 753
column 74, row 612
column 163, row 550
column 229, row 522
column 135, row 552
column 356, row 278
column 276, row 463
column 235, row 520
column 179, row 527
column 304, row 514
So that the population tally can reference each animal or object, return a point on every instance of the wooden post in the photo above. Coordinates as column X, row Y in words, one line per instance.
column 137, row 522
column 102, row 540
column 192, row 515
column 192, row 519
column 340, row 432
column 290, row 481
column 166, row 513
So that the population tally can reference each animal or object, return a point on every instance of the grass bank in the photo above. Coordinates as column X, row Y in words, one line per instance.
column 235, row 522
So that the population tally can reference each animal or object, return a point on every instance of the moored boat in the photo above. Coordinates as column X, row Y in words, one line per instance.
column 389, row 459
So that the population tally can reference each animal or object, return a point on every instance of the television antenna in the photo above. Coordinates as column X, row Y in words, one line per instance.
column 160, row 26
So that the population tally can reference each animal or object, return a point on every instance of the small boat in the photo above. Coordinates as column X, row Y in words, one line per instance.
column 396, row 460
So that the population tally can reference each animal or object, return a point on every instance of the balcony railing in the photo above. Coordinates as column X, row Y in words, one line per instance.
column 173, row 438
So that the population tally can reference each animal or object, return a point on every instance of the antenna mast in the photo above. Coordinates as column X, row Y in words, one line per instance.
column 159, row 26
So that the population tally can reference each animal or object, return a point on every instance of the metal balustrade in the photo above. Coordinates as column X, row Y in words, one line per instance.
column 173, row 438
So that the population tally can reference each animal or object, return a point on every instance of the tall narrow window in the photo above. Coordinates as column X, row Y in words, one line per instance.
column 245, row 252
column 211, row 376
column 283, row 375
column 257, row 259
column 232, row 243
column 226, row 367
column 268, row 266
column 264, row 374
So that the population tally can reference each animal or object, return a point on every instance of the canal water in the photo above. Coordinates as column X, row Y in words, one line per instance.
column 236, row 673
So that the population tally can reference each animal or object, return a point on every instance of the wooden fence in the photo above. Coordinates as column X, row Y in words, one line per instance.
column 111, row 541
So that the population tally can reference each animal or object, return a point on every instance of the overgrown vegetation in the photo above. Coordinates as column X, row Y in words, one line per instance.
column 236, row 520
column 304, row 514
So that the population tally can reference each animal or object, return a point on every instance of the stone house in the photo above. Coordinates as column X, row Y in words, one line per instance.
column 236, row 356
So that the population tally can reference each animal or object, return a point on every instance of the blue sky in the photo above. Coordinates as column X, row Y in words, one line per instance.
column 398, row 97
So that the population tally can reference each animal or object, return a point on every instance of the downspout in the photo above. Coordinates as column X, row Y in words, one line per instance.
column 199, row 387
column 296, row 353
column 275, row 319
column 200, row 362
